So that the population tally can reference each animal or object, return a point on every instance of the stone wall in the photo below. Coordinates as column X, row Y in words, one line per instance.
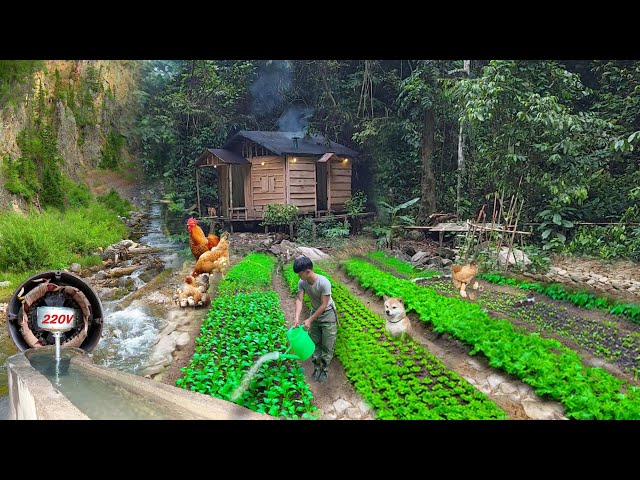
column 623, row 287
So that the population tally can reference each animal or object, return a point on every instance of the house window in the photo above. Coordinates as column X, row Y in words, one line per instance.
column 268, row 184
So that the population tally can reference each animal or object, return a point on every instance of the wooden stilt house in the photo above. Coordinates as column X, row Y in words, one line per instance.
column 256, row 168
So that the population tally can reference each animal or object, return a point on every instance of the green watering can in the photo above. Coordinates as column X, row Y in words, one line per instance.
column 300, row 343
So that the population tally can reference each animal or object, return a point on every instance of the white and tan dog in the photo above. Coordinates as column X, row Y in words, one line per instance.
column 396, row 318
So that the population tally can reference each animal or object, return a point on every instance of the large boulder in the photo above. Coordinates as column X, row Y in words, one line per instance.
column 409, row 249
column 161, row 356
column 312, row 253
column 415, row 235
column 285, row 250
column 435, row 262
column 514, row 255
column 447, row 253
column 75, row 268
column 419, row 258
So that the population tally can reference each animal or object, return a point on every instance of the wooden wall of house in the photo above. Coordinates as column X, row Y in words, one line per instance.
column 302, row 183
column 267, row 182
column 339, row 184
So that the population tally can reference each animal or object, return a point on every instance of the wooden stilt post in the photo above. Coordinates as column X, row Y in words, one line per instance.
column 198, row 189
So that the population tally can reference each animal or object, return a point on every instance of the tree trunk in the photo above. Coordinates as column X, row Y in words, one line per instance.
column 460, row 169
column 467, row 70
column 428, row 190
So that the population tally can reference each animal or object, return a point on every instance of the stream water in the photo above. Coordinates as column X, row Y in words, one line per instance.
column 135, row 327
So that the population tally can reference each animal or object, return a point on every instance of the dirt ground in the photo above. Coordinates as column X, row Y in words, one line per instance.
column 337, row 385
column 126, row 183
column 182, row 357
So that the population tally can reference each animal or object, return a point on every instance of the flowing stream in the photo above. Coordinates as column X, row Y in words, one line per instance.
column 129, row 334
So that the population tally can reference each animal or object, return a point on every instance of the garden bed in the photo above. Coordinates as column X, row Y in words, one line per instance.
column 543, row 363
column 612, row 338
column 398, row 377
column 245, row 322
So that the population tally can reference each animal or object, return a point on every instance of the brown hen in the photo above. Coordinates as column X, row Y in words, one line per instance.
column 462, row 276
column 216, row 259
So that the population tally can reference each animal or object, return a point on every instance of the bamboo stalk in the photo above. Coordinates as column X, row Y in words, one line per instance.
column 500, row 216
column 513, row 234
column 507, row 218
column 493, row 217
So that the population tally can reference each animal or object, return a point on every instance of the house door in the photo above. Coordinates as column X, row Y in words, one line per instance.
column 321, row 185
column 237, row 186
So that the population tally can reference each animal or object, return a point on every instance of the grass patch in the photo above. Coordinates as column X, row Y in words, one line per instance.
column 53, row 240
column 14, row 279
column 90, row 261
column 116, row 203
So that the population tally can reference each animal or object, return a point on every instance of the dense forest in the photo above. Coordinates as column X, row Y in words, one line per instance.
column 561, row 134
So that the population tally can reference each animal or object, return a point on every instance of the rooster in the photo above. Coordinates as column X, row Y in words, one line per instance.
column 198, row 243
column 214, row 259
column 462, row 275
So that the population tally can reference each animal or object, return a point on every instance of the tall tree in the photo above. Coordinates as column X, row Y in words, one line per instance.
column 466, row 69
column 419, row 97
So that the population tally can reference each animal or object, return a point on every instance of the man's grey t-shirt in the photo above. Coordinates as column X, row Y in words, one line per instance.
column 322, row 286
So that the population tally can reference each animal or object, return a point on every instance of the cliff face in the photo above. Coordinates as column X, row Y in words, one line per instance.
column 87, row 100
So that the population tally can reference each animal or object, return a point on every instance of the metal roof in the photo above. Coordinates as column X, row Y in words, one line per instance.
column 227, row 156
column 283, row 142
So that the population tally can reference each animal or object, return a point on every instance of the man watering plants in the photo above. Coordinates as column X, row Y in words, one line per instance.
column 322, row 324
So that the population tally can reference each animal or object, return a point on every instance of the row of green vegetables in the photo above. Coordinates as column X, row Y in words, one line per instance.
column 558, row 292
column 398, row 377
column 543, row 363
column 245, row 322
column 252, row 274
column 602, row 338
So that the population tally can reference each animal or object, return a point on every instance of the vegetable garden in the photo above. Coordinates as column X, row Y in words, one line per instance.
column 398, row 377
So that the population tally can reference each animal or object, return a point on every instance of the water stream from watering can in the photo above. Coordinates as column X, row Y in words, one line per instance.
column 251, row 373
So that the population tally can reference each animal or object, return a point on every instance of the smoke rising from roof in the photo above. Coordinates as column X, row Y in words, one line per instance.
column 295, row 120
column 267, row 91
